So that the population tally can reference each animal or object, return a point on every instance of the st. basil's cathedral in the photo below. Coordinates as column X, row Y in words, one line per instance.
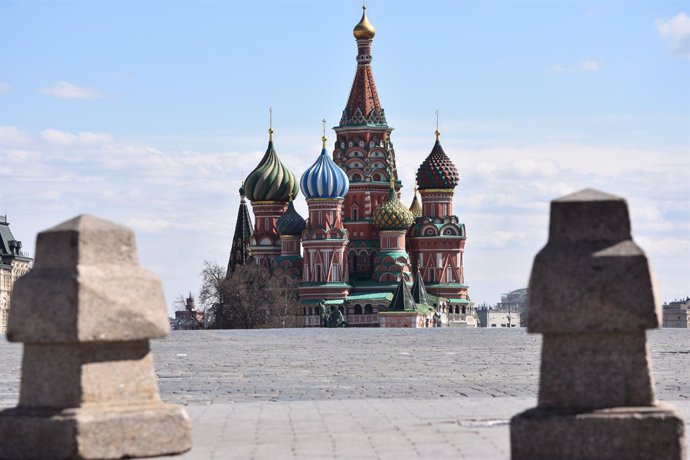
column 360, row 249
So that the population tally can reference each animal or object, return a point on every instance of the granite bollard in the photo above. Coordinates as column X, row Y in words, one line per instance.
column 592, row 295
column 85, row 314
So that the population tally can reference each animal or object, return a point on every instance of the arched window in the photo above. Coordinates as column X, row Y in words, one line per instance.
column 464, row 310
column 376, row 177
column 358, row 309
column 368, row 309
column 356, row 178
column 354, row 213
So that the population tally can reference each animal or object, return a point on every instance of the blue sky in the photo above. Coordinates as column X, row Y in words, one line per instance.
column 149, row 113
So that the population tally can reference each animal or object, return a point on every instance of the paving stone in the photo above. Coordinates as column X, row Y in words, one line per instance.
column 225, row 424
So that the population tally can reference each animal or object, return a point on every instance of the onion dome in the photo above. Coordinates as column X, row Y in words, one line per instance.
column 437, row 171
column 364, row 30
column 270, row 180
column 416, row 206
column 391, row 214
column 290, row 223
column 324, row 179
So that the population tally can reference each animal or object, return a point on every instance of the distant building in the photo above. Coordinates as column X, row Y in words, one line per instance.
column 13, row 264
column 498, row 317
column 190, row 317
column 515, row 301
column 677, row 314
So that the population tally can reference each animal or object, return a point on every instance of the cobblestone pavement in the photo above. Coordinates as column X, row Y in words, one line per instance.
column 360, row 393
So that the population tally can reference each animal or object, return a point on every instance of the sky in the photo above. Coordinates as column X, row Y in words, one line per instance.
column 150, row 113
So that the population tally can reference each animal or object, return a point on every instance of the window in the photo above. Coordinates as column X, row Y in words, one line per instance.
column 449, row 275
column 355, row 213
column 356, row 178
column 368, row 309
column 358, row 309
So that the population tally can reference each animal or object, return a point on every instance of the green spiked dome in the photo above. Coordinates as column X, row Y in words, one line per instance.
column 392, row 214
column 271, row 180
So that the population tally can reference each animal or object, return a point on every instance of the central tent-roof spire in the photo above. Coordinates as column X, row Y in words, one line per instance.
column 363, row 105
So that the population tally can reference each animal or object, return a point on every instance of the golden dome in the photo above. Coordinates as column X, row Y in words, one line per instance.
column 391, row 214
column 416, row 206
column 364, row 29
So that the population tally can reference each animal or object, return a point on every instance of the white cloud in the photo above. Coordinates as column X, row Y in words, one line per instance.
column 4, row 87
column 590, row 66
column 67, row 90
column 557, row 68
column 677, row 30
column 144, row 224
column 55, row 136
column 11, row 135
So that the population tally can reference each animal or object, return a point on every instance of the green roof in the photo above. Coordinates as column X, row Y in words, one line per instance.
column 448, row 284
column 370, row 296
column 345, row 285
column 325, row 302
column 460, row 301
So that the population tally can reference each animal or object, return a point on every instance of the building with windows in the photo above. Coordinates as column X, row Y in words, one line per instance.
column 677, row 314
column 13, row 264
column 359, row 241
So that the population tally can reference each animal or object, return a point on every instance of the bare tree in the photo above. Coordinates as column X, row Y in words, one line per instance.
column 284, row 313
column 212, row 295
column 252, row 296
column 249, row 298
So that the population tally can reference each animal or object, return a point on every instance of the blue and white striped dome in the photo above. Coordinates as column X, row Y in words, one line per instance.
column 324, row 179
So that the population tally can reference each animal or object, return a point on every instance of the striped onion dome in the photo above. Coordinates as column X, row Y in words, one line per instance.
column 324, row 179
column 416, row 206
column 437, row 171
column 271, row 180
column 290, row 223
column 391, row 214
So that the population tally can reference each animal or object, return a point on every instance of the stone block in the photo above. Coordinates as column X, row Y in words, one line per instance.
column 88, row 388
column 592, row 294
column 630, row 433
column 91, row 373
column 591, row 276
column 97, row 432
column 104, row 295
column 595, row 370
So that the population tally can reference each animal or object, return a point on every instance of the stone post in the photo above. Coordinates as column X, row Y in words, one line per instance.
column 85, row 314
column 592, row 295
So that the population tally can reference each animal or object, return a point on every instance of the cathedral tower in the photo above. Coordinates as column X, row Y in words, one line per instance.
column 290, row 226
column 239, row 253
column 325, row 272
column 268, row 187
column 437, row 239
column 392, row 220
column 363, row 149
